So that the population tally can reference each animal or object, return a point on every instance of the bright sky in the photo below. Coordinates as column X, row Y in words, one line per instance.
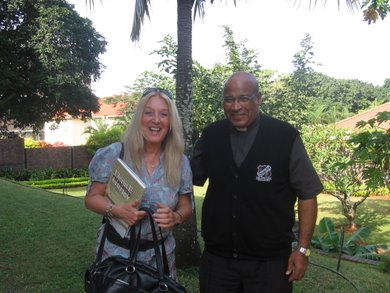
column 345, row 45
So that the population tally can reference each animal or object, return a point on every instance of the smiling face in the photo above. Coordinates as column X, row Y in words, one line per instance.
column 155, row 120
column 241, row 100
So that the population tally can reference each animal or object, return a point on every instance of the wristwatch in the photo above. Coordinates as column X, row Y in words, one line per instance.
column 304, row 251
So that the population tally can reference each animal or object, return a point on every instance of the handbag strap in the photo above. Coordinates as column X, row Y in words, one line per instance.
column 161, row 257
column 102, row 241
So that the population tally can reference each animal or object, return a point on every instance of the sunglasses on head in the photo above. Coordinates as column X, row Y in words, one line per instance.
column 157, row 90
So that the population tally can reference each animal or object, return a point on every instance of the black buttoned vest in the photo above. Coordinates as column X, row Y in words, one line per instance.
column 248, row 212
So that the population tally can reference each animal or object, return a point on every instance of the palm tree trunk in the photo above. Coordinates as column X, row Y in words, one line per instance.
column 187, row 245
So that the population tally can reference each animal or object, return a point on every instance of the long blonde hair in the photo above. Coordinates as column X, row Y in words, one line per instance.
column 172, row 146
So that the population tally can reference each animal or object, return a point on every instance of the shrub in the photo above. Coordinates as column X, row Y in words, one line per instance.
column 49, row 173
column 329, row 240
column 29, row 143
column 17, row 175
column 100, row 139
column 59, row 183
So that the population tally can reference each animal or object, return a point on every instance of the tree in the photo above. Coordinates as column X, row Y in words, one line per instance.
column 48, row 58
column 304, row 59
column 290, row 96
column 372, row 9
column 338, row 165
column 238, row 56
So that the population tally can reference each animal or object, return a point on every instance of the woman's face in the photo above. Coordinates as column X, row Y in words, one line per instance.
column 155, row 120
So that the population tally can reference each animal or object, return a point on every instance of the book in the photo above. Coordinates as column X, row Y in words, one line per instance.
column 123, row 186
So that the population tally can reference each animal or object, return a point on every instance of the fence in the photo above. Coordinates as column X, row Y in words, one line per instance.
column 13, row 155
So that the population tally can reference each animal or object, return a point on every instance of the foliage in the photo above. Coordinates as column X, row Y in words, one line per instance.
column 49, row 173
column 48, row 58
column 285, row 102
column 59, row 183
column 102, row 135
column 385, row 263
column 207, row 95
column 373, row 9
column 300, row 98
column 30, row 143
column 334, row 159
column 373, row 147
column 238, row 56
column 330, row 240
column 304, row 59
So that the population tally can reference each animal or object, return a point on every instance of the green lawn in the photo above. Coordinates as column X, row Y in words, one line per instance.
column 47, row 240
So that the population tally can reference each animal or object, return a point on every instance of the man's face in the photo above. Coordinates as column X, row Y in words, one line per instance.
column 240, row 101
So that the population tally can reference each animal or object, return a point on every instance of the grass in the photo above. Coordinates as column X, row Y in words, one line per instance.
column 47, row 240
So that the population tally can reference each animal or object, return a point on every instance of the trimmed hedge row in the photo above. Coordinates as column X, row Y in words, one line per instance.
column 59, row 183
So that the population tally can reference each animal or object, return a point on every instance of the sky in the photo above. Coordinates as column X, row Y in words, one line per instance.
column 345, row 45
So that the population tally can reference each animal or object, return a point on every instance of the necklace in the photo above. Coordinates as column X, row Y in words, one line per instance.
column 153, row 162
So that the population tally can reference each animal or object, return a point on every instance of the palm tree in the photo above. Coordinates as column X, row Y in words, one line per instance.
column 187, row 249
column 183, row 59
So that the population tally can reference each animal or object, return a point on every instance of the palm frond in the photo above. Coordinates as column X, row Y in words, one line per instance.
column 351, row 4
column 91, row 3
column 141, row 8
column 199, row 7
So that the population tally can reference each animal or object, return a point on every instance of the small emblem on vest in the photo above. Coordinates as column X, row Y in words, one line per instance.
column 264, row 173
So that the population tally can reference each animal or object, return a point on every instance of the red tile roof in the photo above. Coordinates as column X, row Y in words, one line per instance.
column 109, row 110
column 365, row 116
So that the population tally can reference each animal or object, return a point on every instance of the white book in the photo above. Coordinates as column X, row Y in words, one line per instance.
column 123, row 186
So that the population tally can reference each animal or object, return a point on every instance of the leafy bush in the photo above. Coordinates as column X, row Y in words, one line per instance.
column 329, row 240
column 99, row 139
column 29, row 143
column 339, row 165
column 17, row 175
column 49, row 173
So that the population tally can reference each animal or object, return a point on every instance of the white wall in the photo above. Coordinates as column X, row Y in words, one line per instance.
column 69, row 132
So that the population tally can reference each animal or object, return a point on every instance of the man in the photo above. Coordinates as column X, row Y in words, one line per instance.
column 257, row 166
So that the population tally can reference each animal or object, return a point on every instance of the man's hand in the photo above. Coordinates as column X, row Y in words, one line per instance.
column 297, row 265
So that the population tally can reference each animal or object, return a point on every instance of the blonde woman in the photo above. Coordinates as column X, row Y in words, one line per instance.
column 153, row 147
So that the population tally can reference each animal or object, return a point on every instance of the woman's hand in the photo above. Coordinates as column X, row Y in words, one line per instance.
column 95, row 201
column 165, row 217
column 128, row 212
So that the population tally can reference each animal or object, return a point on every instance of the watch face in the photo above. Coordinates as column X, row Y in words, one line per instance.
column 304, row 251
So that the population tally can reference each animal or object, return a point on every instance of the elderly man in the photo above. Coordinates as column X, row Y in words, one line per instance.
column 257, row 167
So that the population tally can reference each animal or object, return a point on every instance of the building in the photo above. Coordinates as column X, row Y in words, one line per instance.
column 351, row 122
column 70, row 132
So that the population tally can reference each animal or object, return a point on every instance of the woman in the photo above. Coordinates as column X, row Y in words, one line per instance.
column 153, row 147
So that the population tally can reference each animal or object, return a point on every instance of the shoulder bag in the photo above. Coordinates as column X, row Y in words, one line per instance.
column 117, row 274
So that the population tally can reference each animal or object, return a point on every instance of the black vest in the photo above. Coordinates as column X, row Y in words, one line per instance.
column 248, row 212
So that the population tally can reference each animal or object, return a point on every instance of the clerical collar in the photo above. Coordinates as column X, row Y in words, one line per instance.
column 254, row 124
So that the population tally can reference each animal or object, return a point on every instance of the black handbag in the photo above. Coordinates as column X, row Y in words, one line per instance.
column 117, row 274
